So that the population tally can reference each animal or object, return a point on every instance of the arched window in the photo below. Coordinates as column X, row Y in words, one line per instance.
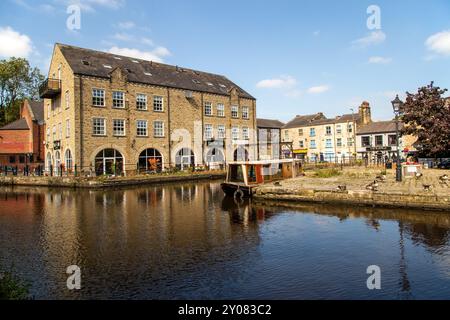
column 150, row 160
column 109, row 162
column 215, row 156
column 241, row 154
column 69, row 161
column 185, row 159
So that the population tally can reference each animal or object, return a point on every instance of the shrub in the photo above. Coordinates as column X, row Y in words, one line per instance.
column 327, row 173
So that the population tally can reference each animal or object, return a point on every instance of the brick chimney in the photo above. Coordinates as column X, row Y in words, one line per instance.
column 364, row 113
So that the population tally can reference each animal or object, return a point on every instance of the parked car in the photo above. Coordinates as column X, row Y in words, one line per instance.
column 444, row 164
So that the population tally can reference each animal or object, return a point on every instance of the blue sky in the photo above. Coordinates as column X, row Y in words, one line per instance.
column 295, row 57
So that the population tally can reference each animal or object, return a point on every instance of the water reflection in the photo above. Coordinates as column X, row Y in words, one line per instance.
column 186, row 241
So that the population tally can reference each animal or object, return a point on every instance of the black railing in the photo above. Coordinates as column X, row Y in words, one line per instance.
column 50, row 88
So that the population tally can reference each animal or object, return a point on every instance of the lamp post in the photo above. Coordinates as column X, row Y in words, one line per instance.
column 397, row 106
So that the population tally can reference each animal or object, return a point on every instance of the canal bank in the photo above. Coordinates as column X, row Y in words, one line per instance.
column 353, row 187
column 107, row 182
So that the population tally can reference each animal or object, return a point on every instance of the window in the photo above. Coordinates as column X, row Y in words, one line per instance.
column 300, row 132
column 141, row 101
column 49, row 110
column 338, row 129
column 21, row 159
column 12, row 159
column 60, row 131
column 301, row 144
column 328, row 131
column 220, row 110
column 350, row 128
column 118, row 99
column 313, row 144
column 350, row 142
column 235, row 133
column 339, row 142
column 208, row 132
column 98, row 98
column 328, row 144
column 67, row 99
column 67, row 128
column 221, row 132
column 378, row 141
column 158, row 104
column 286, row 135
column 245, row 114
column 245, row 133
column 141, row 128
column 69, row 160
column 158, row 129
column 208, row 109
column 234, row 111
column 48, row 135
column 99, row 127
column 119, row 127
column 365, row 141
column 392, row 139
column 54, row 133
column 312, row 132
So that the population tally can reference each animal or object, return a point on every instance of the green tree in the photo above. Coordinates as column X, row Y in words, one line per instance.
column 18, row 81
column 426, row 115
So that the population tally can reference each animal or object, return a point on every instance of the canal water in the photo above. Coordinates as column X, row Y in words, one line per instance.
column 186, row 241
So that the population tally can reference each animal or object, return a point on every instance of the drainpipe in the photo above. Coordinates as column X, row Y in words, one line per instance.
column 81, row 123
column 168, row 128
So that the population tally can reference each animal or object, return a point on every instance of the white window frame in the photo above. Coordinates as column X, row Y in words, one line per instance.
column 67, row 99
column 114, row 128
column 99, row 134
column 208, row 132
column 245, row 113
column 145, row 101
column 221, row 110
column 67, row 128
column 221, row 131
column 160, row 103
column 115, row 100
column 245, row 133
column 141, row 128
column 158, row 132
column 96, row 96
column 208, row 109
column 235, row 112
column 235, row 133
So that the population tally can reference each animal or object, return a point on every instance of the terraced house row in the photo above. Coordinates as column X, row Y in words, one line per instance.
column 106, row 113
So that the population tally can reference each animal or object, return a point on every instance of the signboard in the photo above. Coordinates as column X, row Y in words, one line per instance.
column 240, row 142
column 375, row 149
column 300, row 151
column 57, row 145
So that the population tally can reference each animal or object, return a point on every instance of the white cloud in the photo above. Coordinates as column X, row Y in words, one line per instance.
column 14, row 44
column 123, row 37
column 147, row 41
column 373, row 38
column 318, row 89
column 156, row 55
column 126, row 25
column 439, row 43
column 379, row 60
column 282, row 82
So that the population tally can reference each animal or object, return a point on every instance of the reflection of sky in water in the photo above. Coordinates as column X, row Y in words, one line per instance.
column 185, row 241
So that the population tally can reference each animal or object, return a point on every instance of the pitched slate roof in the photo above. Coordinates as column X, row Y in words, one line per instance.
column 92, row 63
column 20, row 124
column 302, row 121
column 37, row 107
column 320, row 119
column 378, row 127
column 268, row 123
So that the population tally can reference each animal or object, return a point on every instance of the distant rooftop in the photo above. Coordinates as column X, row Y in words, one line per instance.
column 20, row 124
column 378, row 127
column 269, row 123
column 319, row 119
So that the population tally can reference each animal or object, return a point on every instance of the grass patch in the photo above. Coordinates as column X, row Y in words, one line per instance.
column 12, row 288
column 327, row 173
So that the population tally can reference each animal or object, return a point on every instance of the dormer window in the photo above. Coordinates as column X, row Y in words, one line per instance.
column 85, row 62
column 196, row 81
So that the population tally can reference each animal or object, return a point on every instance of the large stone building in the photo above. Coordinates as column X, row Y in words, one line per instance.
column 318, row 138
column 269, row 139
column 21, row 142
column 111, row 114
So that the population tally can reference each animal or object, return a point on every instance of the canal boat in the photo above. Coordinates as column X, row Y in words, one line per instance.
column 243, row 177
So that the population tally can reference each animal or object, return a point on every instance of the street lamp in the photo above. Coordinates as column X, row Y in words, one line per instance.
column 397, row 106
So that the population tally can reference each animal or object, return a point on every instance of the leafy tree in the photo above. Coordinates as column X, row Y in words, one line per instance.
column 426, row 115
column 18, row 81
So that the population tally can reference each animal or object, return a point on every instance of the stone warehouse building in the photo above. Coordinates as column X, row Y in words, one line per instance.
column 113, row 114
column 269, row 139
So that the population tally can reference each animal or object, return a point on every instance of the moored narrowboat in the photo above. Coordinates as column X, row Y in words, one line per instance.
column 243, row 177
